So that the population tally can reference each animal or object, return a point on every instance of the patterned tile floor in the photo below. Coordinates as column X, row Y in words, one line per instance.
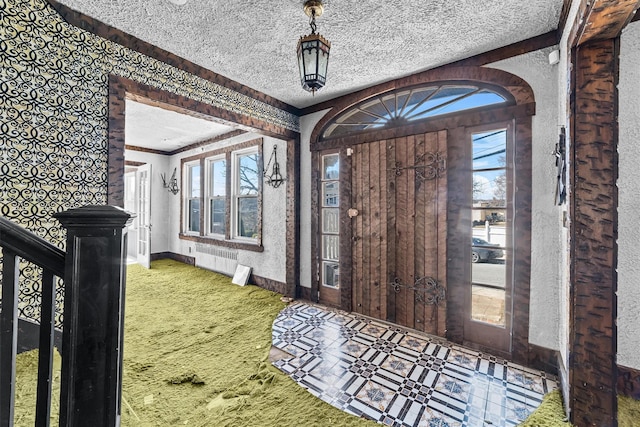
column 400, row 377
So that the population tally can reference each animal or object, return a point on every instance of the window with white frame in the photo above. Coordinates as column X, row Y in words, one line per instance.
column 193, row 205
column 217, row 196
column 246, row 187
column 223, row 195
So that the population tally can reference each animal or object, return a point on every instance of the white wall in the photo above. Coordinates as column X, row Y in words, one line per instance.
column 160, row 198
column 629, row 200
column 544, row 316
column 307, row 123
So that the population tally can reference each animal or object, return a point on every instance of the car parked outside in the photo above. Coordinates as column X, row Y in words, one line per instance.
column 482, row 251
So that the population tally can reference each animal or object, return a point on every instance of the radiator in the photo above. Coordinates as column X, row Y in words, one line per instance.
column 216, row 258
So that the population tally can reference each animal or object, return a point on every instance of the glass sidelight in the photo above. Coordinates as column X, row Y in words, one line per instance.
column 490, row 224
column 330, row 220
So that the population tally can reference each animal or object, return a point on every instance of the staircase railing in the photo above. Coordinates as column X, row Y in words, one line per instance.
column 93, row 270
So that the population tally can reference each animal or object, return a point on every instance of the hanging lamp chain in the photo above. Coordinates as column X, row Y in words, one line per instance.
column 312, row 21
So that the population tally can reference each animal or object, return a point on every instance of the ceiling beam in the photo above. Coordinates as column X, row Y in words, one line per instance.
column 605, row 19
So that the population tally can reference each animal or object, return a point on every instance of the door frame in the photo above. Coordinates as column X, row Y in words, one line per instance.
column 520, row 113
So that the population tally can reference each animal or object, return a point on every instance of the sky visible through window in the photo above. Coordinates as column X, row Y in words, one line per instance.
column 489, row 153
column 412, row 105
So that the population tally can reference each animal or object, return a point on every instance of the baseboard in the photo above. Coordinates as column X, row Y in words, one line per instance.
column 544, row 359
column 174, row 256
column 629, row 382
column 303, row 293
column 268, row 284
column 29, row 336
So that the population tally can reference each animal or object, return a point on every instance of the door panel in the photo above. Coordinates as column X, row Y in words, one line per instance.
column 488, row 290
column 399, row 236
column 143, row 179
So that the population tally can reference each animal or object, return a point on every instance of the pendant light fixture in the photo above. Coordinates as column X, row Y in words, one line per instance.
column 313, row 51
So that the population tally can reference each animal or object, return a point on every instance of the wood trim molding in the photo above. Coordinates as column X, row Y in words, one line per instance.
column 134, row 164
column 232, row 244
column 146, row 150
column 264, row 283
column 468, row 119
column 185, row 259
column 256, row 142
column 564, row 16
column 105, row 31
column 303, row 293
column 520, row 48
column 628, row 382
column 293, row 217
column 593, row 234
column 315, row 224
column 605, row 19
column 517, row 87
column 121, row 88
column 543, row 359
column 269, row 284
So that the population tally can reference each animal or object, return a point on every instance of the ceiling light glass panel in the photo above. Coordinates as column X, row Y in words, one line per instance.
column 410, row 105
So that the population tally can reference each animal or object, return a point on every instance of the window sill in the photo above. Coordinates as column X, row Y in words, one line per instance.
column 234, row 244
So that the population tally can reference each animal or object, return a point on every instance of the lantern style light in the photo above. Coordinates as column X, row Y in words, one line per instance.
column 313, row 52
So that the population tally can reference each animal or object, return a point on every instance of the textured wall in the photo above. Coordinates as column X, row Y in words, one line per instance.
column 307, row 123
column 545, row 241
column 54, row 111
column 629, row 200
column 271, row 262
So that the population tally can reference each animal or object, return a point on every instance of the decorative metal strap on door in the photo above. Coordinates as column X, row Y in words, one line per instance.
column 427, row 290
column 427, row 166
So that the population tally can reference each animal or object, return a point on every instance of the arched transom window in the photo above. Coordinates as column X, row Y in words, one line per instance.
column 414, row 104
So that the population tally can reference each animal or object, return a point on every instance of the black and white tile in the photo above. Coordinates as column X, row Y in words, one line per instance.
column 400, row 377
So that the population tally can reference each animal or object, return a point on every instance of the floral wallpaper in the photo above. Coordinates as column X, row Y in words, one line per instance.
column 54, row 117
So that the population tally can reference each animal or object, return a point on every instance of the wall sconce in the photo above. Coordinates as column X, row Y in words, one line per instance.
column 172, row 185
column 274, row 179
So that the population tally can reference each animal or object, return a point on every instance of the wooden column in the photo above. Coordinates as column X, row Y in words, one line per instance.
column 592, row 366
column 93, row 315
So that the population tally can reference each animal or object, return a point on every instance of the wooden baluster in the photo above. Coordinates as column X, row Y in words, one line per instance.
column 45, row 355
column 8, row 335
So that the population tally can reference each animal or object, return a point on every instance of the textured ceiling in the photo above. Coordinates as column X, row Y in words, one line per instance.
column 254, row 43
column 165, row 130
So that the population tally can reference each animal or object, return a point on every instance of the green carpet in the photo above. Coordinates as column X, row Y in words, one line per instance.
column 196, row 354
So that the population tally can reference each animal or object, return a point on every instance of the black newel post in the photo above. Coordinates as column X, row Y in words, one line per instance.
column 93, row 315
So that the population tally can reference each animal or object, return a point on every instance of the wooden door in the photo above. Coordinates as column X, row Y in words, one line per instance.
column 399, row 189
